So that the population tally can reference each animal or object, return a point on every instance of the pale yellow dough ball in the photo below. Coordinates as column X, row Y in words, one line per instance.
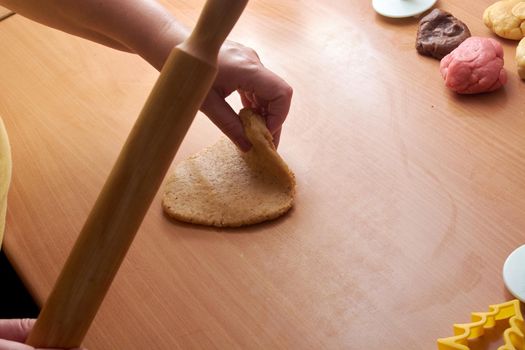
column 506, row 18
column 520, row 58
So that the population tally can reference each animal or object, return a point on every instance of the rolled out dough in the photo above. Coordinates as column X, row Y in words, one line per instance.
column 222, row 186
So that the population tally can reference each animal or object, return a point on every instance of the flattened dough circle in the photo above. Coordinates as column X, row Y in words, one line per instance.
column 221, row 186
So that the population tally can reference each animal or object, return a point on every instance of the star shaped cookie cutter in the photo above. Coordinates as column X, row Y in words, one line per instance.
column 513, row 336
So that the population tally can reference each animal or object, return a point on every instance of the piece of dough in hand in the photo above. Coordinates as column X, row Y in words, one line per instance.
column 224, row 187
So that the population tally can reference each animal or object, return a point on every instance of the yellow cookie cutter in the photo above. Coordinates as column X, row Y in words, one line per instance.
column 514, row 336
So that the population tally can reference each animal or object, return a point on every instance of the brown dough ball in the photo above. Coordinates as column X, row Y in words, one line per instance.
column 439, row 33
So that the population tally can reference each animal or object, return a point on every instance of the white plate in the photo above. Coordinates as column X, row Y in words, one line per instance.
column 402, row 8
column 514, row 273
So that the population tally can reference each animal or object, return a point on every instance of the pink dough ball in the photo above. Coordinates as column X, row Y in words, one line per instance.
column 475, row 66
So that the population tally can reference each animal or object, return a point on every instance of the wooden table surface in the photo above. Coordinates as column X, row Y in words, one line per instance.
column 409, row 197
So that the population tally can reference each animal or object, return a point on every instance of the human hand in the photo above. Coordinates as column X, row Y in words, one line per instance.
column 260, row 89
column 13, row 334
column 240, row 69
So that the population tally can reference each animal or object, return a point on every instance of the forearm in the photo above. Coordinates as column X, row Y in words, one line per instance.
column 143, row 27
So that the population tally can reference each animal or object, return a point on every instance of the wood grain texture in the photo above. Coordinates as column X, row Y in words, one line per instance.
column 409, row 197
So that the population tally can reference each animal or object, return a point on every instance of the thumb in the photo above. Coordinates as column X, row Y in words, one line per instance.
column 222, row 115
column 14, row 332
column 16, row 329
column 13, row 345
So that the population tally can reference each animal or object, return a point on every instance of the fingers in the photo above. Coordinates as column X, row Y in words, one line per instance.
column 275, row 95
column 222, row 115
column 277, row 111
column 16, row 329
column 246, row 101
column 14, row 332
column 271, row 97
column 14, row 345
column 277, row 137
column 260, row 89
column 266, row 92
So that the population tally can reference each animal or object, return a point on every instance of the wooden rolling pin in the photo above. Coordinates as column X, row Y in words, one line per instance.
column 183, row 84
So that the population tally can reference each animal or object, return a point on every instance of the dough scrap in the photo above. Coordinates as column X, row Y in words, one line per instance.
column 224, row 187
column 520, row 58
column 506, row 18
column 439, row 33
column 475, row 66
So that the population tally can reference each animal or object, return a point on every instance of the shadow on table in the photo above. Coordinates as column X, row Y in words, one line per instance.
column 256, row 228
column 492, row 100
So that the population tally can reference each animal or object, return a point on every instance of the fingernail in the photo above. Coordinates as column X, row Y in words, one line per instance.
column 244, row 145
